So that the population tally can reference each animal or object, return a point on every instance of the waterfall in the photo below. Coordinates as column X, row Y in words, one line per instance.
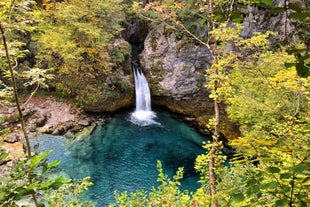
column 143, row 115
column 143, row 94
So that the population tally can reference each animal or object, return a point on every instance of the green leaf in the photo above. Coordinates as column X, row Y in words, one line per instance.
column 21, row 192
column 251, row 182
column 276, row 10
column 299, row 15
column 59, row 182
column 285, row 175
column 306, row 180
column 4, row 155
column 301, row 65
column 301, row 168
column 19, row 165
column 48, row 166
column 266, row 2
column 272, row 185
column 239, row 197
column 273, row 169
column 252, row 190
column 288, row 65
column 32, row 185
column 54, row 164
column 285, row 189
column 203, row 21
column 37, row 159
column 45, row 185
column 282, row 202
column 302, row 70
column 45, row 168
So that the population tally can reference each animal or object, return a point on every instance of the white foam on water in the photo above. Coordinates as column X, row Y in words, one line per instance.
column 143, row 118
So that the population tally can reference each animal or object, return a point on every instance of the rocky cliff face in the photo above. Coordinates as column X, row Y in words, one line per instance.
column 260, row 20
column 175, row 67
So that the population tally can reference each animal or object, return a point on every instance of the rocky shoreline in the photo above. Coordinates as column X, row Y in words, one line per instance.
column 43, row 115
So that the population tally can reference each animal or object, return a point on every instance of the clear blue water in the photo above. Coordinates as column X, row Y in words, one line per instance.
column 122, row 156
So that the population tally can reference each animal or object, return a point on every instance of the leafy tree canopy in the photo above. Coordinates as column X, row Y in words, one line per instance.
column 76, row 37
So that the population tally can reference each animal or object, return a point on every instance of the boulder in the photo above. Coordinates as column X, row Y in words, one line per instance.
column 47, row 129
column 13, row 137
column 83, row 122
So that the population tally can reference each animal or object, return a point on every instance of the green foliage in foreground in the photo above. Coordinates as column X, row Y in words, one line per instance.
column 22, row 180
column 271, row 103
column 26, row 177
column 166, row 194
column 68, row 195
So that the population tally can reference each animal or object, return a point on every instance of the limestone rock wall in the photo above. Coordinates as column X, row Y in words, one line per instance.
column 175, row 67
column 260, row 20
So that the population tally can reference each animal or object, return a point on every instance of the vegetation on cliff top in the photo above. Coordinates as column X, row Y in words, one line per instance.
column 78, row 40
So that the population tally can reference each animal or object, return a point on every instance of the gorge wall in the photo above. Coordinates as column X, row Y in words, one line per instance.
column 175, row 68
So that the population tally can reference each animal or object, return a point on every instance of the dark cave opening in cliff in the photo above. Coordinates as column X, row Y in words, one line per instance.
column 135, row 33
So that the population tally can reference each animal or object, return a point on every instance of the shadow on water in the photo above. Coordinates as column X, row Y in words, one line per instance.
column 122, row 156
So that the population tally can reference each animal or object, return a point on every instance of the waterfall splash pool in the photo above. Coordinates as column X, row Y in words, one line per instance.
column 122, row 156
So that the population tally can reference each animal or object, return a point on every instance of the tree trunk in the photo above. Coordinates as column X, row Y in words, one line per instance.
column 210, row 13
column 216, row 133
column 21, row 117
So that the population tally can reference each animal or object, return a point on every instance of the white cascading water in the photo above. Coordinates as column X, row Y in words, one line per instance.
column 143, row 115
